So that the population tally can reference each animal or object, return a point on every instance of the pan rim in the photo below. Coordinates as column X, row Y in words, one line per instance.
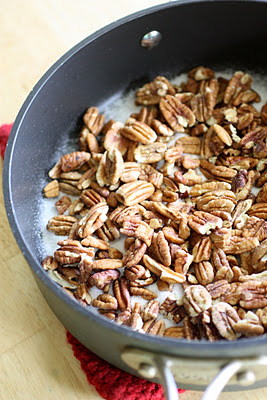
column 164, row 344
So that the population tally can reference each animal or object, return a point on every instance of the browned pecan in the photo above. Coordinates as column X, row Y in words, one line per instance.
column 220, row 173
column 107, row 264
column 143, row 292
column 103, row 278
column 74, row 160
column 249, row 325
column 191, row 331
column 246, row 96
column 51, row 189
column 82, row 294
column 171, row 235
column 239, row 82
column 204, row 272
column 114, row 166
column 224, row 318
column 152, row 92
column 264, row 113
column 61, row 224
column 134, row 272
column 131, row 172
column 90, row 197
column 105, row 302
column 175, row 332
column 93, row 220
column 165, row 274
column 122, row 294
column 258, row 210
column 93, row 120
column 203, row 103
column 201, row 73
column 242, row 183
column 190, row 144
column 190, row 163
column 138, row 132
column 134, row 254
column 150, row 153
column 209, row 186
column 176, row 113
column 255, row 227
column 196, row 300
column 203, row 222
column 154, row 327
column 134, row 192
column 245, row 120
column 63, row 204
column 50, row 262
column 161, row 248
column 150, row 311
column 239, row 215
column 161, row 128
column 259, row 257
column 262, row 314
column 218, row 289
column 139, row 229
column 219, row 200
column 108, row 231
column 146, row 115
column 253, row 294
column 182, row 261
column 174, row 154
column 256, row 140
column 202, row 249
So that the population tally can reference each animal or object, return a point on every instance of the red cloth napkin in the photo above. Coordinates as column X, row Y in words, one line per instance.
column 110, row 382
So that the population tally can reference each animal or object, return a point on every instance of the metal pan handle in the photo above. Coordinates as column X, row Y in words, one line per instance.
column 214, row 373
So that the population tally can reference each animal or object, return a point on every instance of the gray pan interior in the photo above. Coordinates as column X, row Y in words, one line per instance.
column 108, row 63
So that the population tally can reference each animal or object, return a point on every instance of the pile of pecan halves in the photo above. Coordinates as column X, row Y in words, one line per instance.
column 183, row 204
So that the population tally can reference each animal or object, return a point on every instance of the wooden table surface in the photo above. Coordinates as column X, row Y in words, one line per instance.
column 35, row 360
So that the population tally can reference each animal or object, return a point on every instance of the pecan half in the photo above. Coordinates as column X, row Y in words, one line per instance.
column 139, row 132
column 152, row 92
column 93, row 120
column 134, row 192
column 74, row 160
column 114, row 166
column 134, row 254
column 150, row 153
column 139, row 229
column 165, row 274
column 203, row 222
column 51, row 189
column 177, row 114
column 224, row 318
column 122, row 294
column 239, row 82
column 161, row 248
column 204, row 272
column 105, row 302
column 103, row 278
column 196, row 300
column 93, row 220
column 61, row 224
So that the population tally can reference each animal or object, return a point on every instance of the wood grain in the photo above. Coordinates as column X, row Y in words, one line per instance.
column 35, row 360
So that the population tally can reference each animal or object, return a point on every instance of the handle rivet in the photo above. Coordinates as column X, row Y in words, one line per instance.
column 151, row 39
column 246, row 378
column 147, row 370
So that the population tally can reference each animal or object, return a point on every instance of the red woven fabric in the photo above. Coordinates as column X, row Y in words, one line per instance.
column 4, row 133
column 110, row 382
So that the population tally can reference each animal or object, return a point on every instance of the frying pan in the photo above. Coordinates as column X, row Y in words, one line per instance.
column 218, row 34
